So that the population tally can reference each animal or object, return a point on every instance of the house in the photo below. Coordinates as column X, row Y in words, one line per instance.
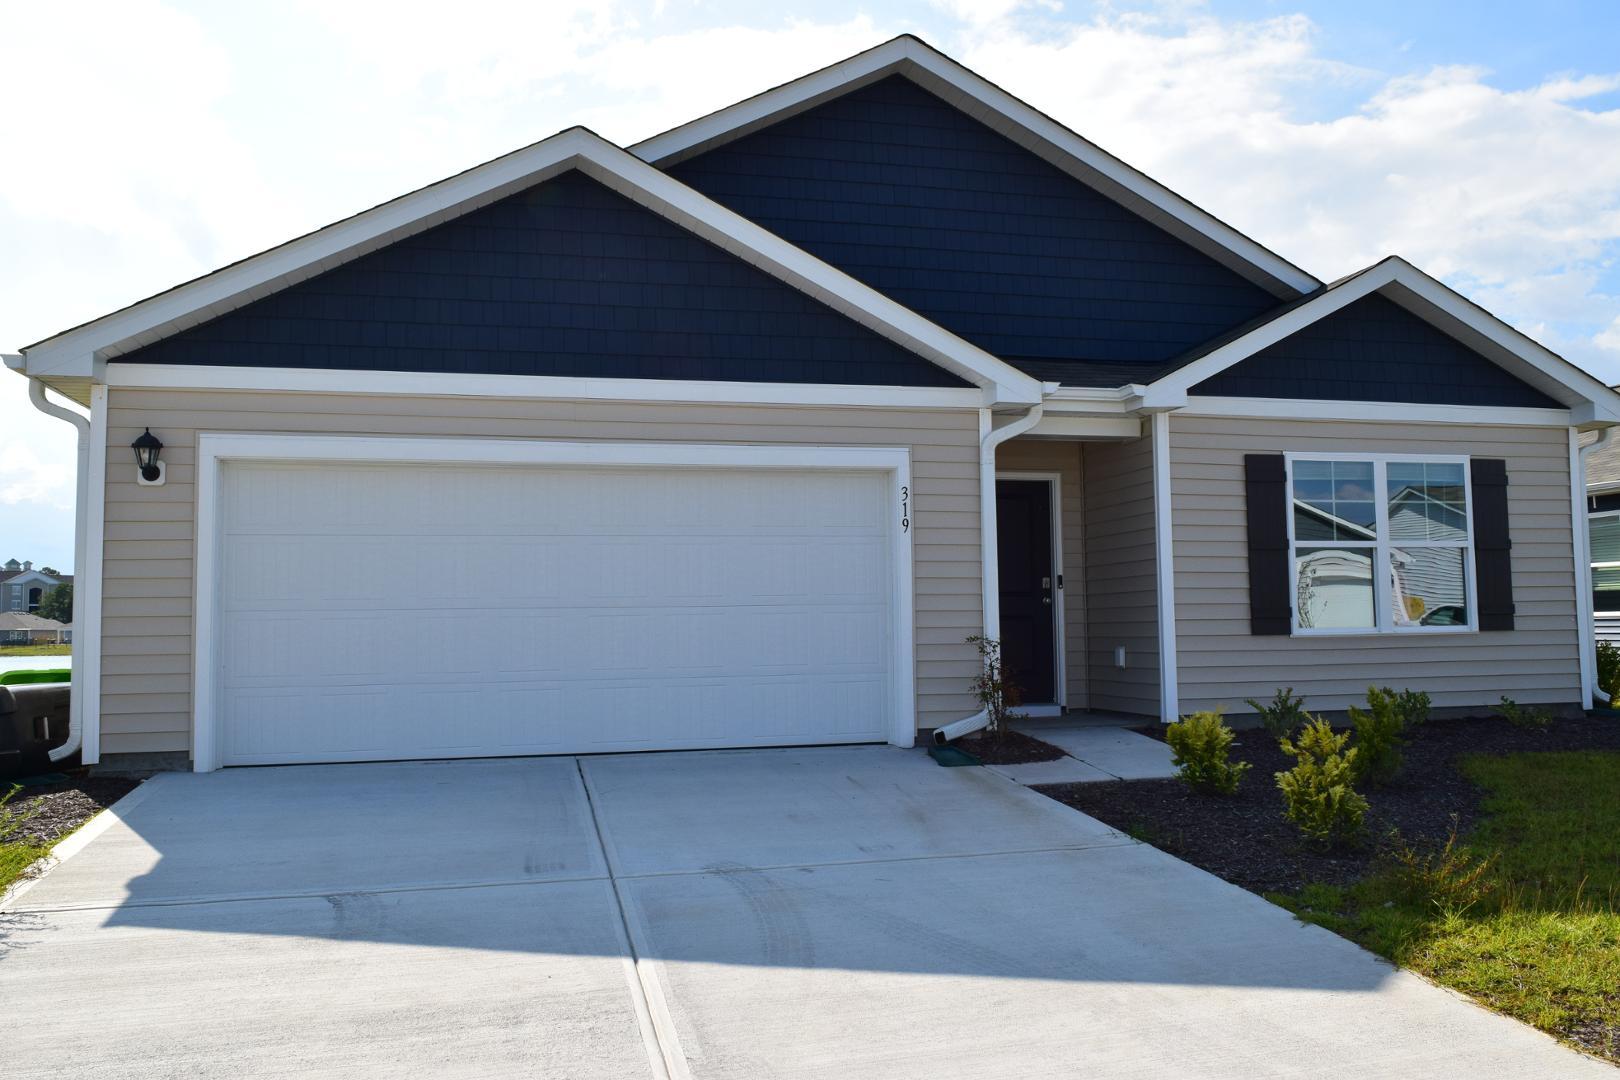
column 1603, row 525
column 22, row 587
column 21, row 628
column 734, row 436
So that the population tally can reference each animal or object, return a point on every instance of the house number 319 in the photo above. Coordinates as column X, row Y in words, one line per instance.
column 905, row 509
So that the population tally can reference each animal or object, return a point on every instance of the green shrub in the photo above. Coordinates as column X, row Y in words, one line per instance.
column 1380, row 732
column 1413, row 708
column 1531, row 719
column 1450, row 880
column 1608, row 670
column 1318, row 793
column 1202, row 743
column 1283, row 715
column 996, row 688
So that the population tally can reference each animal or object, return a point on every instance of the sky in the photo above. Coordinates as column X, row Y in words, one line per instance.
column 149, row 142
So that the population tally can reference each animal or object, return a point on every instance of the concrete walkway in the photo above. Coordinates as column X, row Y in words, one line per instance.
column 1095, row 754
column 790, row 913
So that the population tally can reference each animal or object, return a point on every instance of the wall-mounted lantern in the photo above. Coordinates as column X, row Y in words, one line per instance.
column 146, row 449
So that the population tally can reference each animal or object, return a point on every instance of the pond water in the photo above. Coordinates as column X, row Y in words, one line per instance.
column 34, row 663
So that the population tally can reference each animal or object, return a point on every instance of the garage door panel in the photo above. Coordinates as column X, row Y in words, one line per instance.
column 360, row 723
column 383, row 611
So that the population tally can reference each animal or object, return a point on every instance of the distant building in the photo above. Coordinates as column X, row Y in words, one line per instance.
column 21, row 628
column 22, row 587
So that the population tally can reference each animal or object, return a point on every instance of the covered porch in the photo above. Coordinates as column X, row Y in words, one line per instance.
column 1077, row 567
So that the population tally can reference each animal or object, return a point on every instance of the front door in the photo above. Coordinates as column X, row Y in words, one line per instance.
column 1028, row 627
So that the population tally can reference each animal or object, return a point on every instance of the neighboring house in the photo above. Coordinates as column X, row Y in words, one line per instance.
column 21, row 628
column 1603, row 508
column 22, row 587
column 733, row 437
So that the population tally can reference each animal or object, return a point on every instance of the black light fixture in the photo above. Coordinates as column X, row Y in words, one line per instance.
column 146, row 448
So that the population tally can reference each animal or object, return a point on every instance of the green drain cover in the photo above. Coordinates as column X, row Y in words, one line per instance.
column 951, row 757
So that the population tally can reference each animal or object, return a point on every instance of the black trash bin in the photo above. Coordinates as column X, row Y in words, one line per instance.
column 33, row 720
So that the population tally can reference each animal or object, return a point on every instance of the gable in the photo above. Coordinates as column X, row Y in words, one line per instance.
column 1373, row 349
column 28, row 577
column 925, row 204
column 564, row 278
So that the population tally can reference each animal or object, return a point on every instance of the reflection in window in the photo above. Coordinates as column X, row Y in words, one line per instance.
column 1605, row 535
column 1427, row 501
column 1410, row 518
column 1333, row 500
column 1334, row 588
column 1430, row 586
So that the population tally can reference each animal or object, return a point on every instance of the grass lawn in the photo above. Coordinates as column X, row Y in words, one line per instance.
column 36, row 650
column 15, row 858
column 18, row 849
column 1524, row 913
column 33, row 820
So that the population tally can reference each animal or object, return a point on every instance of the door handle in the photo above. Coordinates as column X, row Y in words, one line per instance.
column 1047, row 600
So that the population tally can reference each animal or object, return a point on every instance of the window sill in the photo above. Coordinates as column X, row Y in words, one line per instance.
column 1406, row 631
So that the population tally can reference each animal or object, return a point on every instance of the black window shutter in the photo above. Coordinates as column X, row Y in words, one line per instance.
column 1265, row 485
column 1493, row 562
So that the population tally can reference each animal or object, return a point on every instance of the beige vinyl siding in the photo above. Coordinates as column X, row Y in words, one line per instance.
column 1221, row 664
column 150, row 531
column 1047, row 455
column 1121, row 576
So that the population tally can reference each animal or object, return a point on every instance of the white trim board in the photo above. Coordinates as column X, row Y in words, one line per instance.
column 990, row 104
column 1581, row 530
column 1359, row 411
column 1060, row 647
column 84, row 350
column 1589, row 401
column 214, row 449
column 1164, row 540
column 89, row 584
column 534, row 387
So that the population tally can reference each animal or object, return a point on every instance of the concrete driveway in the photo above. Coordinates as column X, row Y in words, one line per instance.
column 841, row 912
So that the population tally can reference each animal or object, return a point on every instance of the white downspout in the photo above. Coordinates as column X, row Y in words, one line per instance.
column 990, row 437
column 1583, row 566
column 36, row 394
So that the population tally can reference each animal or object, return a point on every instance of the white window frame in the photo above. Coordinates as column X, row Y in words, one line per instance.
column 1595, row 565
column 1383, row 594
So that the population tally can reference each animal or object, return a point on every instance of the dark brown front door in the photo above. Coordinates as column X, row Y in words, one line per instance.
column 1028, row 591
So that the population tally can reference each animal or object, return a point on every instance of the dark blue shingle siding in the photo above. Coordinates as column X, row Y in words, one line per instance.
column 565, row 278
column 924, row 203
column 1374, row 350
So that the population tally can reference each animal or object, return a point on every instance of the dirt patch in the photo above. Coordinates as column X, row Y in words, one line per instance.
column 48, row 813
column 1007, row 747
column 1246, row 840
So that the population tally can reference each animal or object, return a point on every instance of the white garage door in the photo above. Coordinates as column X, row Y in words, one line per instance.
column 379, row 611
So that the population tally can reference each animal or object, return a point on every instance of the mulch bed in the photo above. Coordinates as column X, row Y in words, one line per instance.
column 1007, row 747
column 1246, row 840
column 52, row 811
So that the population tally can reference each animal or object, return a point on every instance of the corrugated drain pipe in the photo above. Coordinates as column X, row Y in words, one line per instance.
column 36, row 394
column 1583, row 541
column 990, row 437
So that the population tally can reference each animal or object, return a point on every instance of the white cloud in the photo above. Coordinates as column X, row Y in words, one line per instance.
column 1609, row 338
column 28, row 476
column 1510, row 195
column 37, row 462
column 980, row 13
column 148, row 143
